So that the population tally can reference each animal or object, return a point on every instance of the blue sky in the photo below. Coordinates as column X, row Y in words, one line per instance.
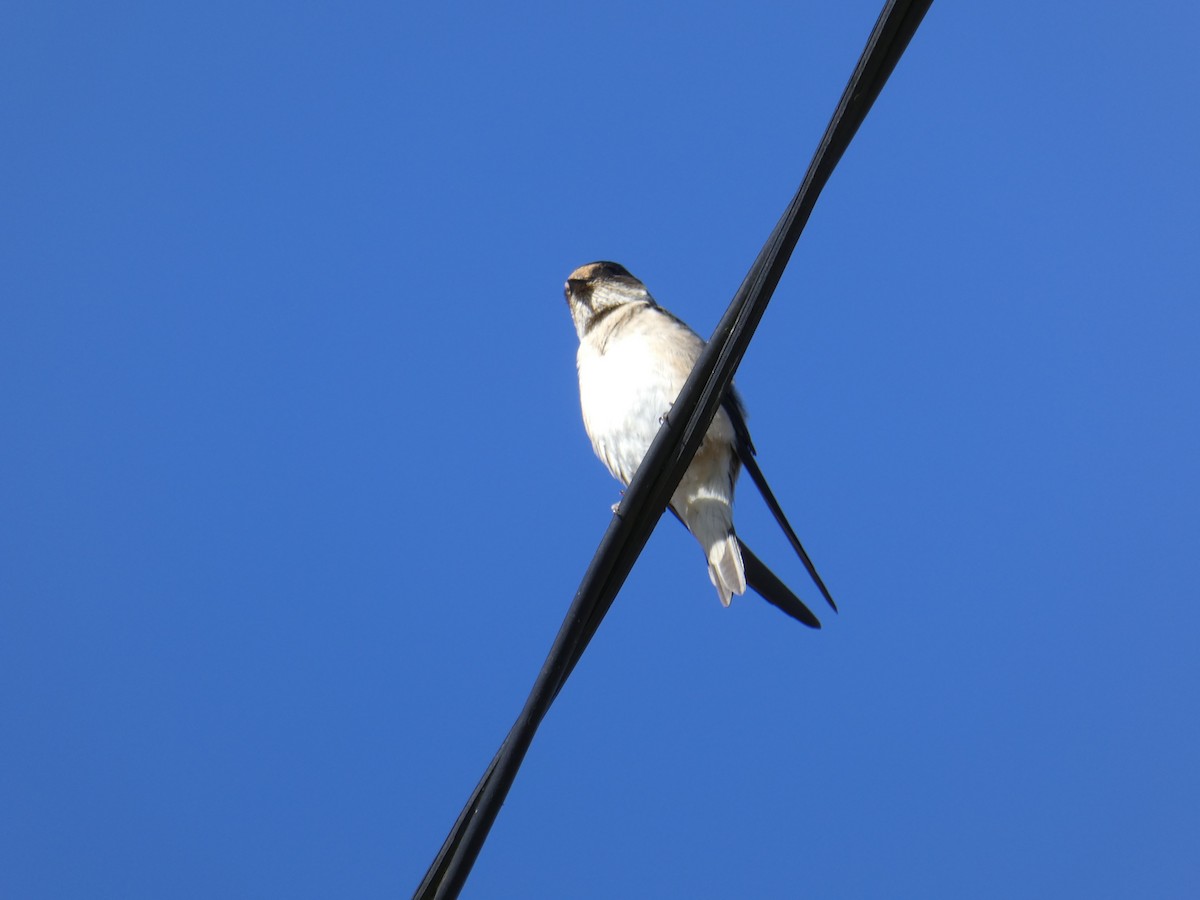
column 294, row 491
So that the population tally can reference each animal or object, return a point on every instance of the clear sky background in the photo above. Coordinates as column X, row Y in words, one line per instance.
column 294, row 490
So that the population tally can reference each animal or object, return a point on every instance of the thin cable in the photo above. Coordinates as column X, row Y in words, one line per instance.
column 670, row 453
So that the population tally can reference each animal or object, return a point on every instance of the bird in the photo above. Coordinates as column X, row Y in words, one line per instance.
column 633, row 359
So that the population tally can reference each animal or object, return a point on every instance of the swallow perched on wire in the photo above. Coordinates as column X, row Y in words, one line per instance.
column 633, row 360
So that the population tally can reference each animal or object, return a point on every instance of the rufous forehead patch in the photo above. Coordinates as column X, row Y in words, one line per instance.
column 584, row 273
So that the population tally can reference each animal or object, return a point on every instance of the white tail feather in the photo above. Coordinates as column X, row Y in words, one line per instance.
column 725, row 568
column 708, row 515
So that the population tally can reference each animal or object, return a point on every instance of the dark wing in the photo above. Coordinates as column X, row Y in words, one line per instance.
column 774, row 591
column 732, row 405
column 767, row 585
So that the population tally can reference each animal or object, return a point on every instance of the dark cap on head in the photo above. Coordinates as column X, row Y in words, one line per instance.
column 598, row 271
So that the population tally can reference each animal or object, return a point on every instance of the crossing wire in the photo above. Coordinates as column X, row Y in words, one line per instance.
column 671, row 452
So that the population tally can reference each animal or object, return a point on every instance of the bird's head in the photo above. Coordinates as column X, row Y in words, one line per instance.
column 599, row 287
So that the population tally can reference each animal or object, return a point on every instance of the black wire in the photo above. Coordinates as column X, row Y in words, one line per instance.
column 670, row 453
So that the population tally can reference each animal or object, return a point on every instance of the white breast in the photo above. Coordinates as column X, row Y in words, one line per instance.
column 630, row 372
